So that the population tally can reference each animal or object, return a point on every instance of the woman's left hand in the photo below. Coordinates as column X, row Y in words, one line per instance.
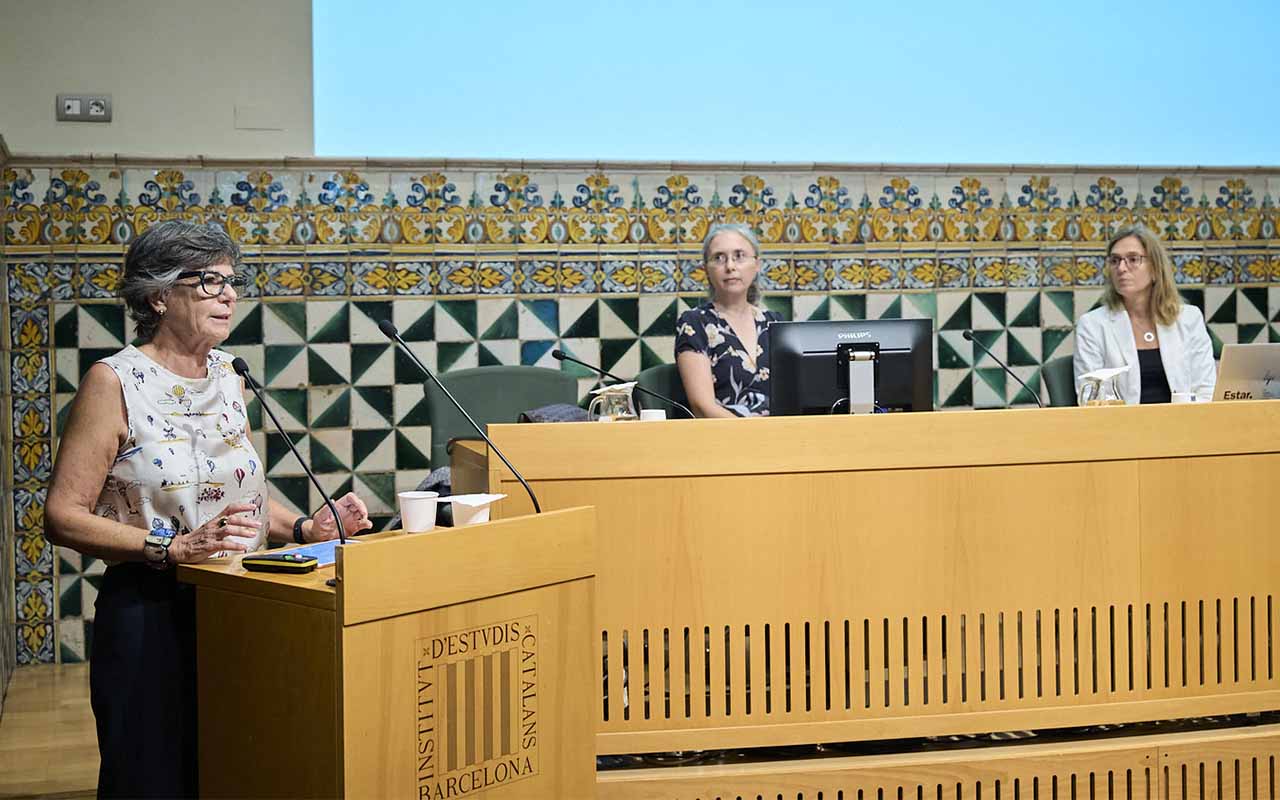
column 355, row 518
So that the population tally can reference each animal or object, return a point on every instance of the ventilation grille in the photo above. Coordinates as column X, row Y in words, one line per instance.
column 757, row 673
column 1227, row 765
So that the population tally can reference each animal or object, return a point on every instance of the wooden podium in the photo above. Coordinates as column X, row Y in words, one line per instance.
column 449, row 664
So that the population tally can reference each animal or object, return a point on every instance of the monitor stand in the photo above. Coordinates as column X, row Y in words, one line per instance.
column 857, row 365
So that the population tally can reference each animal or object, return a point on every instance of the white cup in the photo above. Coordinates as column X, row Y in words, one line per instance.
column 418, row 511
column 1183, row 397
column 652, row 414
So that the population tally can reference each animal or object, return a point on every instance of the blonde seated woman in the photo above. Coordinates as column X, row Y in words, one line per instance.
column 722, row 346
column 1144, row 325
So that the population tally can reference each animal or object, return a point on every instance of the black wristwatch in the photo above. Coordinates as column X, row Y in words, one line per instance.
column 156, row 551
column 297, row 529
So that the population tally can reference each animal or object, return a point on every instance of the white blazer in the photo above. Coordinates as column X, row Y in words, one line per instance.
column 1104, row 338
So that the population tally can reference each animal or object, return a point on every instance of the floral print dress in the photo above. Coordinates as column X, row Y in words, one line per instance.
column 741, row 379
column 188, row 452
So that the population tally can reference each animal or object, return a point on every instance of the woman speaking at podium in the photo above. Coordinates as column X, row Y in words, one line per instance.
column 1145, row 326
column 156, row 468
column 722, row 346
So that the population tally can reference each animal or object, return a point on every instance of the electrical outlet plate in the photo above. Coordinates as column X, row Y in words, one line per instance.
column 83, row 108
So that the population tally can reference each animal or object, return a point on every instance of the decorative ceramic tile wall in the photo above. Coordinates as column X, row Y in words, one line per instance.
column 481, row 265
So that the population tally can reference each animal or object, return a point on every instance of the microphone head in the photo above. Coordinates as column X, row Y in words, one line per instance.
column 388, row 329
column 968, row 336
column 239, row 365
column 558, row 355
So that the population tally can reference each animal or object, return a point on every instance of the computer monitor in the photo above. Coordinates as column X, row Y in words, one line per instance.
column 804, row 377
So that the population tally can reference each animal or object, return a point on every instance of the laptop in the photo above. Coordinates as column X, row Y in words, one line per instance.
column 1249, row 372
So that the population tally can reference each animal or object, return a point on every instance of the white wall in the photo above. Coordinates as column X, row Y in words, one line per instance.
column 176, row 71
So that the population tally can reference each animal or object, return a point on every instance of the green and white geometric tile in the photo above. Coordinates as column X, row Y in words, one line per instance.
column 780, row 304
column 619, row 317
column 373, row 450
column 990, row 387
column 1022, row 309
column 412, row 448
column 848, row 306
column 953, row 351
column 373, row 364
column 811, row 307
column 538, row 320
column 285, row 365
column 955, row 388
column 620, row 356
column 246, row 325
column 410, row 405
column 1085, row 300
column 293, row 491
column 254, row 355
column 995, row 340
column 1057, row 309
column 498, row 352
column 579, row 318
column 330, row 406
column 497, row 319
column 455, row 321
column 414, row 318
column 1220, row 305
column 331, row 450
column 920, row 305
column 366, row 314
column 372, row 407
column 987, row 311
column 409, row 479
column 280, row 460
column 329, row 364
column 658, row 315
column 883, row 306
column 290, row 407
column 1251, row 306
column 1056, row 343
column 1023, row 347
column 656, row 350
column 537, row 353
column 454, row 355
column 955, row 311
column 285, row 322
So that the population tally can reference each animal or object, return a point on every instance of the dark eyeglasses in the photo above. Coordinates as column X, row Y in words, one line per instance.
column 213, row 283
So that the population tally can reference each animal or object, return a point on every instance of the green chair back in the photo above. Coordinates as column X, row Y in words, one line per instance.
column 1060, row 379
column 491, row 394
column 665, row 380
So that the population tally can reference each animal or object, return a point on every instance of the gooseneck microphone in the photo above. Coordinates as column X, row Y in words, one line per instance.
column 389, row 330
column 560, row 355
column 242, row 369
column 968, row 335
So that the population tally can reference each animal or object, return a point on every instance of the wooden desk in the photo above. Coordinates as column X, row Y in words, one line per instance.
column 796, row 580
column 443, row 664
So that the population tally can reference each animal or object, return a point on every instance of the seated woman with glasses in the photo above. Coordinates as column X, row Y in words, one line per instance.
column 1144, row 325
column 156, row 468
column 722, row 346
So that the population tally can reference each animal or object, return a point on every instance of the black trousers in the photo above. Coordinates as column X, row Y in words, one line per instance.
column 142, row 684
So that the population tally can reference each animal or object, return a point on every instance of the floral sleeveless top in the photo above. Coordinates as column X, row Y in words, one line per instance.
column 188, row 452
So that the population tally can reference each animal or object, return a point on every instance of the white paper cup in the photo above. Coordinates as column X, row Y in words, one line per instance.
column 418, row 511
column 652, row 414
column 1183, row 397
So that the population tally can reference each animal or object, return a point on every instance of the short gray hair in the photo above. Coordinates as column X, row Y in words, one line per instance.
column 743, row 230
column 156, row 258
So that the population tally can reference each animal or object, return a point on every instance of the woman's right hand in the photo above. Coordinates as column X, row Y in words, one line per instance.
column 213, row 536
